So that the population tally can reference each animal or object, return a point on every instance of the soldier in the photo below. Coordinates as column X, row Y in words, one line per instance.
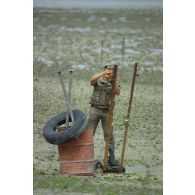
column 100, row 102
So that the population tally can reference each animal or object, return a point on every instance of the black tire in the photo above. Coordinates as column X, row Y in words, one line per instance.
column 57, row 138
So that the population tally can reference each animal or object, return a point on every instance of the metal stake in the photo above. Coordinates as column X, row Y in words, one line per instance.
column 70, row 83
column 69, row 94
column 68, row 103
column 101, row 54
column 122, row 50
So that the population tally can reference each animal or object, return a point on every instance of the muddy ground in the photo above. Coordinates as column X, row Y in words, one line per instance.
column 71, row 38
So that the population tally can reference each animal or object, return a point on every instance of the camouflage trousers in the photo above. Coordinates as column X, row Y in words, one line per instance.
column 95, row 116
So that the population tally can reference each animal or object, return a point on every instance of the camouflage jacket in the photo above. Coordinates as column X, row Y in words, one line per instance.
column 102, row 92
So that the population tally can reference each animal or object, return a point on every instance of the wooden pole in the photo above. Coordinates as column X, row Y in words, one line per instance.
column 128, row 115
column 110, row 117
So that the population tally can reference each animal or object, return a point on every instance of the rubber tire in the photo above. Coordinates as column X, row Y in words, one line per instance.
column 57, row 138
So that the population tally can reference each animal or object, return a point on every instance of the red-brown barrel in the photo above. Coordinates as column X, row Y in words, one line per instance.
column 77, row 155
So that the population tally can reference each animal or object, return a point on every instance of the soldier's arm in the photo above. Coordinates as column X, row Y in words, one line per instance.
column 96, row 76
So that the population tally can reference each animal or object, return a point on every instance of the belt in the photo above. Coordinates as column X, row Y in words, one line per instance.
column 97, row 106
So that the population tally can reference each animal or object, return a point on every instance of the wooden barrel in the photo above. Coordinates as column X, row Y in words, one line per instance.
column 77, row 155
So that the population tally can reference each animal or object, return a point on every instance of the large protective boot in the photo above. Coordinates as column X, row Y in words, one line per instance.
column 112, row 161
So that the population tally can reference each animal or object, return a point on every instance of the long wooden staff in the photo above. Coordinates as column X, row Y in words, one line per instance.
column 110, row 117
column 128, row 115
